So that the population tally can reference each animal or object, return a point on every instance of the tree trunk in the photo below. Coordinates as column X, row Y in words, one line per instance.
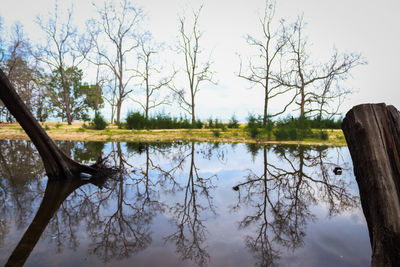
column 193, row 110
column 372, row 133
column 119, row 105
column 302, row 103
column 56, row 163
column 265, row 117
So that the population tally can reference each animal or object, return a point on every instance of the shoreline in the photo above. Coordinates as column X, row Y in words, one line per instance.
column 75, row 132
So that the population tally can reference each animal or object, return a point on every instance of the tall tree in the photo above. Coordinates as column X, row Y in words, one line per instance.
column 1, row 40
column 69, row 86
column 260, row 67
column 195, row 70
column 23, row 71
column 60, row 50
column 3, row 108
column 148, row 72
column 114, row 36
column 309, row 78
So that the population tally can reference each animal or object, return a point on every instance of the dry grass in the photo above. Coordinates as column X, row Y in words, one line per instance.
column 63, row 131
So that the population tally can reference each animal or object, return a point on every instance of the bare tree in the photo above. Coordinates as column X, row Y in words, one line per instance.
column 308, row 78
column 331, row 94
column 260, row 67
column 1, row 40
column 60, row 51
column 16, row 65
column 196, row 71
column 114, row 37
column 146, row 71
column 24, row 73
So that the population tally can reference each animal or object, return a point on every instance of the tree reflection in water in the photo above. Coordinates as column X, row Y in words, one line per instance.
column 283, row 194
column 20, row 186
column 117, row 215
column 190, row 236
column 116, row 231
column 123, row 229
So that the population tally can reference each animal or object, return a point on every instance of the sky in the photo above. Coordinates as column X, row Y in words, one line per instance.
column 367, row 27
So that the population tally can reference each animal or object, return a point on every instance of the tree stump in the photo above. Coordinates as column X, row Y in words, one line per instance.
column 372, row 133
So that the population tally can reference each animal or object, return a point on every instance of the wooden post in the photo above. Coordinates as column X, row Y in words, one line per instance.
column 372, row 133
column 56, row 163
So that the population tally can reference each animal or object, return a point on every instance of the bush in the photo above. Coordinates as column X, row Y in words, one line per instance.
column 233, row 122
column 286, row 133
column 254, row 132
column 199, row 124
column 254, row 125
column 323, row 135
column 321, row 123
column 210, row 123
column 216, row 133
column 268, row 129
column 135, row 120
column 98, row 122
column 293, row 129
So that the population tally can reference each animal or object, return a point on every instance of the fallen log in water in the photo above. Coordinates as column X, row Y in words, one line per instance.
column 372, row 133
column 56, row 163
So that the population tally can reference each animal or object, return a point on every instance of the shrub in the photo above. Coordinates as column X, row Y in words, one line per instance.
column 216, row 133
column 253, row 132
column 218, row 124
column 253, row 125
column 323, row 135
column 98, row 122
column 135, row 120
column 233, row 122
column 199, row 124
column 321, row 123
column 268, row 129
column 293, row 129
column 58, row 125
column 46, row 127
column 210, row 123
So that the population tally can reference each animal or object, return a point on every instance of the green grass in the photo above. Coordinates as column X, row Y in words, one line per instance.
column 113, row 133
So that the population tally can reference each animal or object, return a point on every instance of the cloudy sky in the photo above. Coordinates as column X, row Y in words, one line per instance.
column 367, row 27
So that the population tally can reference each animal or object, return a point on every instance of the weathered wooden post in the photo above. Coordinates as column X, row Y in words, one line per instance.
column 372, row 133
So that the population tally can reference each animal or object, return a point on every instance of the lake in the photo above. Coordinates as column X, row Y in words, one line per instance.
column 183, row 204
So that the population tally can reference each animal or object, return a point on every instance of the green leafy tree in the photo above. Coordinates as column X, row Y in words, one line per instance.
column 68, row 95
column 94, row 96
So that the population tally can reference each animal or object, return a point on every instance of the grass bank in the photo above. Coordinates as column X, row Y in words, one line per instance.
column 63, row 131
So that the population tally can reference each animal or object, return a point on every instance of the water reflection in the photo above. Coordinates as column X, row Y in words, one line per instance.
column 20, row 170
column 113, row 220
column 55, row 194
column 190, row 235
column 283, row 194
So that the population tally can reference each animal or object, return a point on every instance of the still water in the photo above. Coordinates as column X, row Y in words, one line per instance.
column 183, row 204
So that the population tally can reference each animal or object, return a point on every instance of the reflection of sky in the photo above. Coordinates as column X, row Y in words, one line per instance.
column 335, row 242
column 338, row 241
